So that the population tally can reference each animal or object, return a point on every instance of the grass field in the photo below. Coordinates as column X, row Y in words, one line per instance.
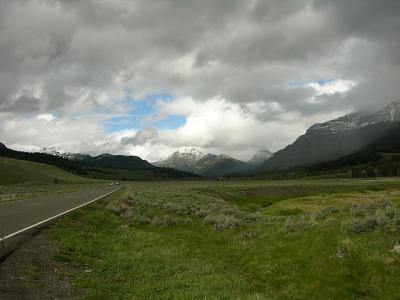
column 123, row 175
column 15, row 171
column 237, row 240
column 20, row 179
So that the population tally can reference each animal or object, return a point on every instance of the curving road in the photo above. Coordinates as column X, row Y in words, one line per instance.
column 19, row 216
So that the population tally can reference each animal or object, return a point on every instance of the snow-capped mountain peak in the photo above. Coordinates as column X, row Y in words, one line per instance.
column 211, row 165
column 189, row 152
column 58, row 151
column 182, row 159
column 260, row 157
column 54, row 150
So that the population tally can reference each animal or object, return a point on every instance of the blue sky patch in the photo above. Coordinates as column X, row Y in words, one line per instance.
column 321, row 82
column 171, row 122
column 137, row 109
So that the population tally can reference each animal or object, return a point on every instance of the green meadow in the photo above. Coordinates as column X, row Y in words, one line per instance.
column 309, row 239
column 14, row 171
column 20, row 179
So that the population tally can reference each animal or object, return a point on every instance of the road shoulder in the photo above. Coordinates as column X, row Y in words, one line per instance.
column 31, row 272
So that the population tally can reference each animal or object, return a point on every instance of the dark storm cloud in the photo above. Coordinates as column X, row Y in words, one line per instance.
column 23, row 104
column 69, row 57
column 83, row 45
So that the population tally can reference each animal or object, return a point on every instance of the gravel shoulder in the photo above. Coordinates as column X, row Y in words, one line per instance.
column 31, row 272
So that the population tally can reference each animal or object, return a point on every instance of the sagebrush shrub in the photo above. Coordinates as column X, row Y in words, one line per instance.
column 294, row 225
column 325, row 212
column 360, row 225
column 247, row 235
column 164, row 220
column 171, row 206
column 222, row 221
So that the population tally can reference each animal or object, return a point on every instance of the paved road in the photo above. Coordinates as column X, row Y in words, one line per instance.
column 19, row 215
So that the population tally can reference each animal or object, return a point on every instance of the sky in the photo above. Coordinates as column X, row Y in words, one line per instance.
column 145, row 78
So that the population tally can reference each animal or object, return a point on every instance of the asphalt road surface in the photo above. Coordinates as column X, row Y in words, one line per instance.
column 18, row 216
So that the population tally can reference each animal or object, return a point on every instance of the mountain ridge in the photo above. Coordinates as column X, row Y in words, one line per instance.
column 333, row 139
column 105, row 166
column 183, row 159
column 209, row 165
column 357, row 120
column 260, row 157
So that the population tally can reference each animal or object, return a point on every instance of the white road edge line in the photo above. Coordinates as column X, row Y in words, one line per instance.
column 56, row 216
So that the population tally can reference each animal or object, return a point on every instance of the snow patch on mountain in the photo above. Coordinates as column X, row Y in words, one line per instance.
column 183, row 159
column 358, row 120
column 58, row 151
column 192, row 160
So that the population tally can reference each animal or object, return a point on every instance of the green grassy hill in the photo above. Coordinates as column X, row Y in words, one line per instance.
column 16, row 171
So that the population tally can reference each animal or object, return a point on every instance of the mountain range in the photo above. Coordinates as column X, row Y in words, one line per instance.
column 58, row 151
column 334, row 139
column 209, row 165
column 379, row 158
column 358, row 120
column 186, row 160
column 212, row 165
column 356, row 138
column 105, row 166
column 124, row 162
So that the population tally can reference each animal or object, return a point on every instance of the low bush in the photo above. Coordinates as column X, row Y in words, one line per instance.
column 221, row 222
column 360, row 225
column 170, row 207
column 374, row 214
column 294, row 224
column 357, row 211
column 273, row 220
column 381, row 219
column 176, row 208
column 247, row 235
column 164, row 220
column 201, row 213
column 325, row 212
column 139, row 220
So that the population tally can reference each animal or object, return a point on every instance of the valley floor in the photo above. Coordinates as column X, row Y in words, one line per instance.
column 309, row 239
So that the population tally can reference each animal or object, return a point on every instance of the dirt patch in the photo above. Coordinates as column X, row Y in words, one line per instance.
column 30, row 272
